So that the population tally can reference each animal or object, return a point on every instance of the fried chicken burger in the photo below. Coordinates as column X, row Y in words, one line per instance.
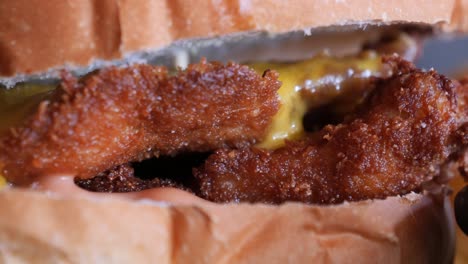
column 227, row 132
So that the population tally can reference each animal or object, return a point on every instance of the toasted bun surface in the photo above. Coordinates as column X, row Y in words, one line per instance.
column 36, row 227
column 37, row 35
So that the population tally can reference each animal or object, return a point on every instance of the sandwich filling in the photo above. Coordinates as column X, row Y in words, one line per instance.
column 324, row 130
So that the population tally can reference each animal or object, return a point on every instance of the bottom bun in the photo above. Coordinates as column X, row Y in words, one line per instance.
column 40, row 228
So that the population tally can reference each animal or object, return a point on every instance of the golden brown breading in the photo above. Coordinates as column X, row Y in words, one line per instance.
column 462, row 95
column 461, row 158
column 128, row 114
column 397, row 140
column 461, row 137
column 121, row 179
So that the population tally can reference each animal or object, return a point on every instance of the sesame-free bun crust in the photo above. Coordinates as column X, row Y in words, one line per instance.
column 37, row 35
column 40, row 228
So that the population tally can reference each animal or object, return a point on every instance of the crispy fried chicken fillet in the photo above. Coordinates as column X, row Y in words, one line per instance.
column 122, row 179
column 398, row 139
column 119, row 115
column 461, row 158
column 164, row 171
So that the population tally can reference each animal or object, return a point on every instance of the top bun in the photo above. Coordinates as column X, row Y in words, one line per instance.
column 37, row 36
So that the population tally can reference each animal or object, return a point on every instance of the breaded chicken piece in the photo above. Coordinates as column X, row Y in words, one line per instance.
column 398, row 138
column 120, row 115
column 121, row 179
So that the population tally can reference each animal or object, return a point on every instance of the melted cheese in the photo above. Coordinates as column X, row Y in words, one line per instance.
column 314, row 74
column 3, row 182
column 287, row 123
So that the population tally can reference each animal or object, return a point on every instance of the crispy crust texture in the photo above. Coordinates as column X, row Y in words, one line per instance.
column 40, row 227
column 394, row 142
column 130, row 114
column 37, row 35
